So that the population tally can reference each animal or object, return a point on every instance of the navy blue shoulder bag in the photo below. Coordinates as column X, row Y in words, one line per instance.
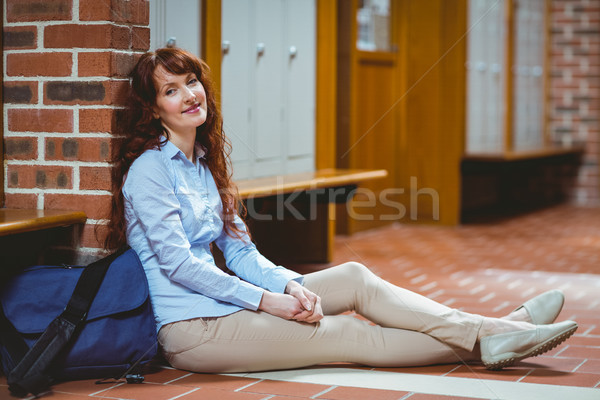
column 72, row 322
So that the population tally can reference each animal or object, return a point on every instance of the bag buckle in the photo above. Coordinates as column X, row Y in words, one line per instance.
column 73, row 317
column 134, row 378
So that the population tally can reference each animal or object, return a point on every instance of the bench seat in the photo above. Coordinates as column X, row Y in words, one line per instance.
column 504, row 184
column 13, row 221
column 280, row 234
column 545, row 152
column 324, row 178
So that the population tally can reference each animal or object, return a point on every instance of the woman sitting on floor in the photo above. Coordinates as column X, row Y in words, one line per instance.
column 173, row 197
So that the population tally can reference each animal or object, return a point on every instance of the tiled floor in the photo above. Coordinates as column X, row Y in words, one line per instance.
column 484, row 268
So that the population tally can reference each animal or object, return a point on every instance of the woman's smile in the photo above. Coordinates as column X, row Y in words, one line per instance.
column 193, row 109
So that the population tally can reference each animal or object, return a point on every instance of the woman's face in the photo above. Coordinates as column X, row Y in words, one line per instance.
column 180, row 101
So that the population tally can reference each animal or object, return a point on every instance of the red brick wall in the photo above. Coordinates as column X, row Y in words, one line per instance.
column 575, row 87
column 66, row 63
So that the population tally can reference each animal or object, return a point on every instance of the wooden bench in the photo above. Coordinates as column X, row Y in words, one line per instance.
column 292, row 217
column 500, row 184
column 282, row 239
column 13, row 220
column 546, row 152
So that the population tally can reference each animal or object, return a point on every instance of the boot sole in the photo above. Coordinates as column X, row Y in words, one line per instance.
column 534, row 351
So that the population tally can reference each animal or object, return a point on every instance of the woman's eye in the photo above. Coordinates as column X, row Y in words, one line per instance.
column 170, row 92
column 193, row 81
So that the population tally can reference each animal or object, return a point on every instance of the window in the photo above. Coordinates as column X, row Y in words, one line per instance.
column 373, row 25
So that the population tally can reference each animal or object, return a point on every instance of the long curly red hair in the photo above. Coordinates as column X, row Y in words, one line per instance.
column 142, row 132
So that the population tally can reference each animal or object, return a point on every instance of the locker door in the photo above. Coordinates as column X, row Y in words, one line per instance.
column 236, row 84
column 269, row 80
column 528, row 79
column 178, row 19
column 300, row 83
column 484, row 77
column 475, row 79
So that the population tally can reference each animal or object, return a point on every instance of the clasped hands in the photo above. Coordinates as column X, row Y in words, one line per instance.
column 297, row 303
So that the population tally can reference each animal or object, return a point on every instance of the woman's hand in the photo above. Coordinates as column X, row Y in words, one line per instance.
column 281, row 305
column 311, row 303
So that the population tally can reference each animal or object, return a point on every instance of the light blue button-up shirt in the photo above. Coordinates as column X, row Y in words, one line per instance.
column 173, row 213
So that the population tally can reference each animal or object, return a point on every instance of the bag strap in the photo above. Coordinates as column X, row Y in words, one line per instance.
column 29, row 376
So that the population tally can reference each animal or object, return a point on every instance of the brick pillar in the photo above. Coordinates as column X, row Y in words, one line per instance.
column 575, row 88
column 65, row 71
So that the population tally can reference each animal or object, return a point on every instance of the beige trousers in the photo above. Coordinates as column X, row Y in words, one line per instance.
column 408, row 330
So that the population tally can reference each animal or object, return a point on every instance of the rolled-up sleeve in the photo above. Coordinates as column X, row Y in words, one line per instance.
column 150, row 189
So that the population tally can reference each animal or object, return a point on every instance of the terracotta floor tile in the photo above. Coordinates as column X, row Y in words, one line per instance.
column 588, row 315
column 145, row 391
column 219, row 394
column 595, row 330
column 84, row 387
column 164, row 375
column 562, row 378
column 551, row 363
column 353, row 393
column 215, row 381
column 585, row 320
column 512, row 374
column 580, row 352
column 286, row 388
column 558, row 351
column 584, row 340
column 589, row 366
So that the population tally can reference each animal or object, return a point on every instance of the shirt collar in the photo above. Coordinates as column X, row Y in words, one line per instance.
column 171, row 150
column 200, row 151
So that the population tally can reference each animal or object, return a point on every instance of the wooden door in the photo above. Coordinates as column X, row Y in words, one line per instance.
column 403, row 110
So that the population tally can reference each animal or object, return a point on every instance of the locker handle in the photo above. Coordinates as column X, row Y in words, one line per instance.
column 260, row 49
column 293, row 51
column 225, row 46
